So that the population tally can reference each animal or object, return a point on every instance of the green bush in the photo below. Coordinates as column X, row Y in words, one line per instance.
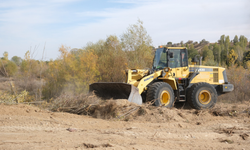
column 8, row 68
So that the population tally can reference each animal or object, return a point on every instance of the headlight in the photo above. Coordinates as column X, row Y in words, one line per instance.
column 166, row 69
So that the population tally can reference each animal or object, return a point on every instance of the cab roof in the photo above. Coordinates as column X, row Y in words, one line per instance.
column 172, row 47
column 176, row 47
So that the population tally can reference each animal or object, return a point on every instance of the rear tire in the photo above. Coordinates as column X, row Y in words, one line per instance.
column 162, row 93
column 202, row 96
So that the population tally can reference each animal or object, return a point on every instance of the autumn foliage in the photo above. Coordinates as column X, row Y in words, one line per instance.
column 7, row 67
column 106, row 61
column 112, row 60
column 240, row 78
column 72, row 72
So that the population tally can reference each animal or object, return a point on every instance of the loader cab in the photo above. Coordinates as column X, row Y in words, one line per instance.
column 174, row 57
column 160, row 59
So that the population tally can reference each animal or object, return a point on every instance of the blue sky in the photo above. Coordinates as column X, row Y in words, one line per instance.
column 29, row 24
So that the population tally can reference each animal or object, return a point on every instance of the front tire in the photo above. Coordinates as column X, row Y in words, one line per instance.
column 162, row 93
column 202, row 96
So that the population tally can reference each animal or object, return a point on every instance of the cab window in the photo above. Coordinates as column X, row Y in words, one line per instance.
column 175, row 62
column 184, row 59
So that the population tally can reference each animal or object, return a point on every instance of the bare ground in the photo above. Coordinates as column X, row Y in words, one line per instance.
column 227, row 126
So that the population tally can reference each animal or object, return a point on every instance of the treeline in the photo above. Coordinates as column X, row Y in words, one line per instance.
column 224, row 53
column 73, row 71
column 107, row 60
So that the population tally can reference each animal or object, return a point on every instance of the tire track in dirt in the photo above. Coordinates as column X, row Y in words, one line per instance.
column 28, row 127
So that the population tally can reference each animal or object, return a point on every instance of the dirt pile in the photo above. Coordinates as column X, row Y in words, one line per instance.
column 127, row 111
column 125, row 125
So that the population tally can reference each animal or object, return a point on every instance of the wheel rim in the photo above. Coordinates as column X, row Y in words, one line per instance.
column 165, row 97
column 204, row 97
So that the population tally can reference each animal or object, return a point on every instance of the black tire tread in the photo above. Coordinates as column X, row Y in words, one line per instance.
column 191, row 95
column 152, row 91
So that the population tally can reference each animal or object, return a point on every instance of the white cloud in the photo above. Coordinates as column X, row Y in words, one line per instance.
column 28, row 23
column 171, row 22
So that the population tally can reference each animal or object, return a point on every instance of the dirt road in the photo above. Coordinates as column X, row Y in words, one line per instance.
column 28, row 127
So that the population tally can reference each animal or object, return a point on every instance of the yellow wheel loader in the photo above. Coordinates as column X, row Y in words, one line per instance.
column 170, row 80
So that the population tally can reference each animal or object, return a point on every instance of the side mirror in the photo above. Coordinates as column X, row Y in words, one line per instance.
column 171, row 55
column 195, row 60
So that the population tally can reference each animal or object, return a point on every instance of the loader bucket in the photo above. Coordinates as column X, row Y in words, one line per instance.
column 114, row 90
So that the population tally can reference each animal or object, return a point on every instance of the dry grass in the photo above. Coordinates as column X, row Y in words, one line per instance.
column 240, row 78
column 233, row 110
column 125, row 110
column 18, row 84
column 73, row 103
column 87, row 104
column 91, row 105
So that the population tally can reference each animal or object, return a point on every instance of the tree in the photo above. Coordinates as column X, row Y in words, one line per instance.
column 239, row 51
column 222, row 39
column 223, row 55
column 217, row 53
column 207, row 53
column 11, row 68
column 182, row 45
column 243, row 42
column 246, row 56
column 208, row 56
column 192, row 52
column 29, row 67
column 5, row 55
column 246, row 59
column 17, row 60
column 227, row 44
column 189, row 42
column 169, row 44
column 7, row 67
column 236, row 40
column 96, row 47
column 137, row 45
column 71, row 72
column 203, row 41
column 247, row 64
column 210, row 46
column 87, row 69
column 76, row 52
column 113, row 61
column 232, row 57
